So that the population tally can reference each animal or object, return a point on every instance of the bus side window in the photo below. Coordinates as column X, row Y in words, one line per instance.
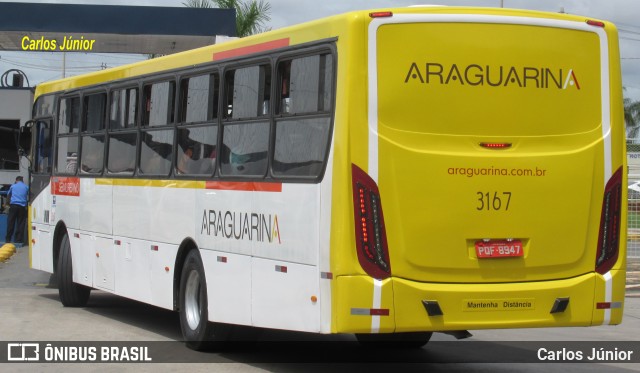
column 67, row 143
column 302, row 130
column 93, row 137
column 124, row 108
column 284, row 69
column 199, row 98
column 248, row 91
column 158, row 104
column 196, row 152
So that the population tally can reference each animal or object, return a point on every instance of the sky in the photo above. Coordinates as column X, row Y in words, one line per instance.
column 44, row 66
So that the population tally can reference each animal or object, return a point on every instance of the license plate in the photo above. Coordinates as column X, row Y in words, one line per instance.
column 499, row 249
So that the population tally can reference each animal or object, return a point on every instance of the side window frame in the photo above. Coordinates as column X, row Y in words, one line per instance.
column 197, row 158
column 227, row 159
column 114, row 132
column 155, row 167
column 325, row 111
column 73, row 133
column 85, row 133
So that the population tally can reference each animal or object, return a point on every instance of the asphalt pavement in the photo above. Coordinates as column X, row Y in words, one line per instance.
column 30, row 311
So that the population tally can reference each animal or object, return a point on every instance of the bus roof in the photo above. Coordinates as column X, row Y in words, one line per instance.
column 291, row 35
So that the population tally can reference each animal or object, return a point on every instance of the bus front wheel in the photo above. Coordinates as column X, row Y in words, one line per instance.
column 71, row 294
column 197, row 331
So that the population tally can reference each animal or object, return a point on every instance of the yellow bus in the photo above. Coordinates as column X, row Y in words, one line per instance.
column 388, row 173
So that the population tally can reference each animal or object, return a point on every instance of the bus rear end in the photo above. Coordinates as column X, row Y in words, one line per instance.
column 493, row 188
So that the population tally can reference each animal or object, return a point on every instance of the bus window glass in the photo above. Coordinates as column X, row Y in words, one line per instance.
column 94, row 106
column 122, row 153
column 44, row 106
column 158, row 104
column 247, row 92
column 244, row 149
column 67, row 155
column 305, row 84
column 300, row 148
column 197, row 150
column 69, row 115
column 92, row 154
column 156, row 150
column 123, row 108
column 42, row 158
column 199, row 98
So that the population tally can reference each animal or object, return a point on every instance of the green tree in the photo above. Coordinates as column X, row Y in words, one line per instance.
column 251, row 15
column 632, row 119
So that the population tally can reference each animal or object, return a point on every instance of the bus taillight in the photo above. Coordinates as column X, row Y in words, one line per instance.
column 609, row 237
column 371, row 237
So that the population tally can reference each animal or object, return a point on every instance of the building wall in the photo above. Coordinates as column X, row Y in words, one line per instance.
column 15, row 104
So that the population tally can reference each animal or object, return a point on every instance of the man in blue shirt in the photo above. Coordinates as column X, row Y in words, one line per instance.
column 17, row 196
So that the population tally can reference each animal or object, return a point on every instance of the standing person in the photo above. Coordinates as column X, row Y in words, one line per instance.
column 17, row 198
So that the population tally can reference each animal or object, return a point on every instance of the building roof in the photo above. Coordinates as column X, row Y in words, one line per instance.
column 125, row 29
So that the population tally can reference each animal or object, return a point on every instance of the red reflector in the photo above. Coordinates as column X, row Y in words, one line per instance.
column 222, row 259
column 380, row 14
column 603, row 305
column 76, row 235
column 591, row 22
column 495, row 145
column 379, row 312
column 282, row 269
column 154, row 247
column 326, row 275
column 117, row 242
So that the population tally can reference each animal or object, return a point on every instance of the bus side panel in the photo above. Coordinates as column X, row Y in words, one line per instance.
column 282, row 295
column 163, row 257
column 324, row 252
column 290, row 224
column 102, row 251
column 84, row 261
column 65, row 208
column 96, row 207
column 41, row 242
column 39, row 213
column 147, row 209
column 228, row 286
column 133, row 268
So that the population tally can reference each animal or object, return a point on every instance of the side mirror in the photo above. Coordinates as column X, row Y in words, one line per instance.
column 24, row 139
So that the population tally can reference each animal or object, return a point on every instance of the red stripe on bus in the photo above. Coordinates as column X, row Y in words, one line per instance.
column 275, row 44
column 249, row 186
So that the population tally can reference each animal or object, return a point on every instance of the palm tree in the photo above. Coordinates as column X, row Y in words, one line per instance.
column 251, row 15
column 632, row 119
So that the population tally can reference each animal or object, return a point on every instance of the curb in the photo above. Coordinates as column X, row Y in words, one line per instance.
column 6, row 251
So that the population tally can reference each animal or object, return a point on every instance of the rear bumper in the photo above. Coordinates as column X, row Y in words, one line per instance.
column 396, row 305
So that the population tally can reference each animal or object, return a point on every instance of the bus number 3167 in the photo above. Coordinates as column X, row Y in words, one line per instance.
column 496, row 201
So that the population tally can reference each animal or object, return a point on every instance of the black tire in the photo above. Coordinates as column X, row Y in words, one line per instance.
column 71, row 294
column 197, row 331
column 395, row 340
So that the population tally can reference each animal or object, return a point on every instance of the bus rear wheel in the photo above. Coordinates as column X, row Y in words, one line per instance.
column 395, row 340
column 71, row 294
column 197, row 331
